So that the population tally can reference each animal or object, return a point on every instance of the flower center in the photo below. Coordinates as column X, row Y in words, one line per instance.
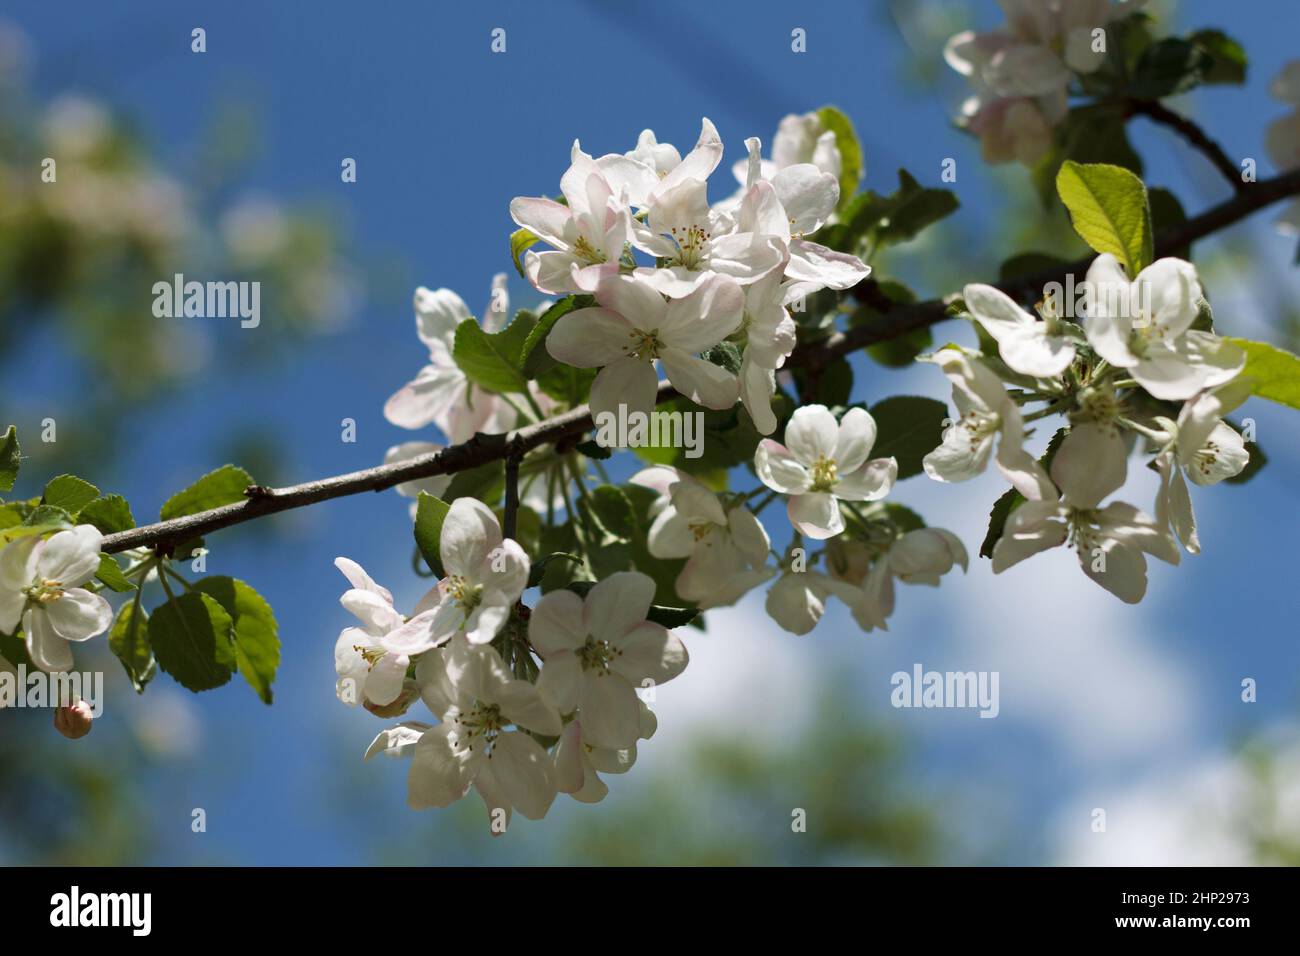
column 824, row 474
column 979, row 425
column 596, row 655
column 45, row 591
column 1205, row 457
column 587, row 252
column 1099, row 405
column 700, row 528
column 371, row 655
column 479, row 727
column 691, row 241
column 466, row 594
column 645, row 345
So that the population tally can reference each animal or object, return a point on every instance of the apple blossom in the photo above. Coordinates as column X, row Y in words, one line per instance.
column 441, row 394
column 634, row 326
column 825, row 462
column 41, row 586
column 366, row 671
column 986, row 413
column 726, row 548
column 1042, row 349
column 797, row 600
column 799, row 139
column 598, row 650
column 480, row 741
column 1145, row 326
column 1111, row 540
column 578, row 763
column 486, row 575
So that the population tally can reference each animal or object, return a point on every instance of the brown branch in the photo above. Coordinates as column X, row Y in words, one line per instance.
column 1155, row 111
column 893, row 322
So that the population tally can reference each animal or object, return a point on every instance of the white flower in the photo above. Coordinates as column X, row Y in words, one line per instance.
column 987, row 413
column 726, row 549
column 366, row 671
column 663, row 158
column 770, row 337
column 1145, row 326
column 597, row 651
column 587, row 231
column 486, row 575
column 40, row 585
column 577, row 761
column 441, row 394
column 1206, row 449
column 479, row 742
column 1109, row 540
column 824, row 462
column 797, row 600
column 633, row 327
column 799, row 139
column 1040, row 349
column 920, row 556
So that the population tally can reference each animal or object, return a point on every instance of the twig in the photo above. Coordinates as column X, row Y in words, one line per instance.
column 481, row 449
column 1157, row 112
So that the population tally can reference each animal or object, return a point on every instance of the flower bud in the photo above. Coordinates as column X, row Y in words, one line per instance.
column 74, row 722
column 410, row 691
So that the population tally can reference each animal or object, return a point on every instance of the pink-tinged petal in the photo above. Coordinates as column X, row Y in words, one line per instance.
column 705, row 317
column 651, row 652
column 873, row 481
column 628, row 385
column 427, row 399
column 610, row 713
column 424, row 631
column 812, row 433
column 442, row 769
column 552, row 272
column 617, row 604
column 813, row 267
column 556, row 623
column 746, row 256
column 547, row 219
column 816, row 515
column 1091, row 464
column 634, row 299
column 591, row 338
column 702, row 382
column 79, row 615
column 777, row 468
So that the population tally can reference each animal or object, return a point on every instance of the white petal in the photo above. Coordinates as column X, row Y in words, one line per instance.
column 780, row 470
column 79, row 615
column 524, row 772
column 1090, row 464
column 812, row 434
column 816, row 515
column 441, row 773
column 470, row 533
column 617, row 604
column 556, row 623
column 629, row 384
column 857, row 436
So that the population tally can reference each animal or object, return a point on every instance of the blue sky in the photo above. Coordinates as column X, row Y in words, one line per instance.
column 1095, row 695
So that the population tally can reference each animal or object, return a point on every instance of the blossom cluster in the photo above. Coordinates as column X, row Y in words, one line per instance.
column 1140, row 367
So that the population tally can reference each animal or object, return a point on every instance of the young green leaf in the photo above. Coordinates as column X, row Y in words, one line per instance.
column 908, row 428
column 1273, row 373
column 430, row 513
column 1169, row 67
column 492, row 359
column 109, row 514
column 520, row 240
column 1228, row 57
column 534, row 357
column 69, row 493
column 10, row 456
column 193, row 639
column 1108, row 206
column 846, row 139
column 221, row 487
column 257, row 640
column 110, row 572
column 128, row 640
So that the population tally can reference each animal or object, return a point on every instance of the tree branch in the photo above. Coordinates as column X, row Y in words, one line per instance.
column 895, row 321
column 1157, row 112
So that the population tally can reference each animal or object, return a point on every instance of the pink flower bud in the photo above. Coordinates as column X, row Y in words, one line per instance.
column 74, row 722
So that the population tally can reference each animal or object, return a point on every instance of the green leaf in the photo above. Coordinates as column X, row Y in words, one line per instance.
column 110, row 514
column 535, row 359
column 592, row 450
column 539, row 567
column 1012, row 499
column 1227, row 55
column 890, row 219
column 430, row 513
column 908, row 428
column 110, row 572
column 69, row 493
column 520, row 240
column 221, row 487
column 193, row 639
column 1108, row 206
column 1273, row 373
column 486, row 482
column 1169, row 67
column 10, row 457
column 257, row 640
column 129, row 641
column 492, row 359
column 612, row 511
column 846, row 139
